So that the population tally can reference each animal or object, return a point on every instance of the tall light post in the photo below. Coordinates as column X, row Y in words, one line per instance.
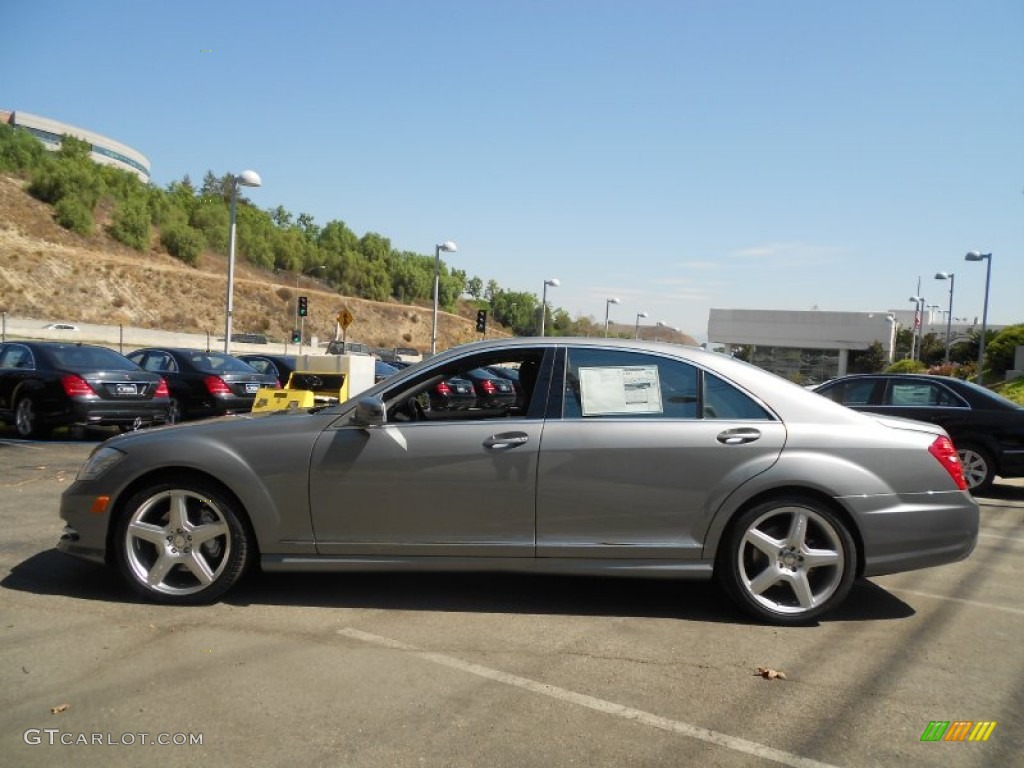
column 607, row 309
column 916, row 331
column 949, row 315
column 658, row 325
column 891, row 317
column 636, row 333
column 987, row 257
column 245, row 179
column 448, row 247
column 553, row 282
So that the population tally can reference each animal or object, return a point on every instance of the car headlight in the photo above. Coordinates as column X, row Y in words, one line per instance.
column 100, row 461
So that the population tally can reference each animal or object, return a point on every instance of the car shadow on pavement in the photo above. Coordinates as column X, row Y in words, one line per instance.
column 54, row 573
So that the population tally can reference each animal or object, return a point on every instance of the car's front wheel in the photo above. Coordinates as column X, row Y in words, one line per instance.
column 979, row 469
column 183, row 542
column 787, row 561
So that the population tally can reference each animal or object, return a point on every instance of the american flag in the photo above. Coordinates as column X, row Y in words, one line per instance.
column 917, row 319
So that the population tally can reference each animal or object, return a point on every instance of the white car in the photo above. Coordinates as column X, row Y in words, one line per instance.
column 60, row 327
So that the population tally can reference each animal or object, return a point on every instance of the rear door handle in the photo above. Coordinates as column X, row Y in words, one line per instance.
column 506, row 440
column 738, row 436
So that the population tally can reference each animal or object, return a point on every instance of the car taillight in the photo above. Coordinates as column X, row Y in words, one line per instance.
column 215, row 386
column 944, row 451
column 76, row 386
column 443, row 388
column 487, row 386
column 161, row 389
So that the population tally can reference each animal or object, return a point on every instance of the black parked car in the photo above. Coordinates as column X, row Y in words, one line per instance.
column 492, row 390
column 280, row 366
column 49, row 384
column 987, row 429
column 204, row 383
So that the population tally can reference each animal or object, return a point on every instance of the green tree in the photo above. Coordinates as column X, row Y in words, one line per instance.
column 870, row 360
column 475, row 287
column 183, row 242
column 131, row 224
column 1000, row 352
column 516, row 310
column 19, row 150
column 72, row 214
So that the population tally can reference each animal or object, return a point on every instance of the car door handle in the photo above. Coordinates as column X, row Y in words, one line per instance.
column 506, row 440
column 738, row 436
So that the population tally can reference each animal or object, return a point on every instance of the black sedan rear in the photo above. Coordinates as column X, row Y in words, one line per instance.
column 50, row 384
column 492, row 390
column 204, row 383
column 987, row 429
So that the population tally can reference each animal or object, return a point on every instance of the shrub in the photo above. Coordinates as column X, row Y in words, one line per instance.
column 72, row 214
column 183, row 242
column 131, row 224
column 907, row 366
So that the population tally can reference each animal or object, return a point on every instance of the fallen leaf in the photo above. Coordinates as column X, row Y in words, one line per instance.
column 770, row 674
column 59, row 709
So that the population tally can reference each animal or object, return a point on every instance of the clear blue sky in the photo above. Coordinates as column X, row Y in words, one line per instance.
column 676, row 154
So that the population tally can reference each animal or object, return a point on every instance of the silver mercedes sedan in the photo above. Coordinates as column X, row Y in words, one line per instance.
column 616, row 457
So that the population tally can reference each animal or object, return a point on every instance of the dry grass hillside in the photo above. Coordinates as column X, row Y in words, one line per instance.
column 49, row 273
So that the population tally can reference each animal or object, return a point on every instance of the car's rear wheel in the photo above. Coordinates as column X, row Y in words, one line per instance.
column 787, row 561
column 26, row 418
column 183, row 542
column 173, row 411
column 979, row 469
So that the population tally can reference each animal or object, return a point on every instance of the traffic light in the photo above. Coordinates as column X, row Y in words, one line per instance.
column 296, row 336
column 303, row 306
column 481, row 321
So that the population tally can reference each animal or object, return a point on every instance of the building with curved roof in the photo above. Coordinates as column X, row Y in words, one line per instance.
column 104, row 149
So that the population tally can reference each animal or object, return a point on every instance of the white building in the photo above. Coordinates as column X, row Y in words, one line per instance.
column 104, row 149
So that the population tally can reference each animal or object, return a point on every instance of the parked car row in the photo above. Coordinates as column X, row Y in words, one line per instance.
column 48, row 384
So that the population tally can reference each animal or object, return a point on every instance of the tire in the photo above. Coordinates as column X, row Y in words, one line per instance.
column 183, row 543
column 173, row 411
column 787, row 561
column 26, row 419
column 979, row 468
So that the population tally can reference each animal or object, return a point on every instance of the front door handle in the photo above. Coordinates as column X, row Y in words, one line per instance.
column 506, row 440
column 738, row 436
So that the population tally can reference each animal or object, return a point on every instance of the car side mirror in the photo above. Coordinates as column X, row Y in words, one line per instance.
column 369, row 412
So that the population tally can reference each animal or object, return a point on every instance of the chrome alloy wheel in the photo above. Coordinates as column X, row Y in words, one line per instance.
column 177, row 543
column 791, row 560
column 977, row 469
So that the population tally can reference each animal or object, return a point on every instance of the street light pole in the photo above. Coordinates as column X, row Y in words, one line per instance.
column 975, row 256
column 657, row 325
column 607, row 309
column 636, row 333
column 247, row 179
column 553, row 282
column 949, row 315
column 449, row 247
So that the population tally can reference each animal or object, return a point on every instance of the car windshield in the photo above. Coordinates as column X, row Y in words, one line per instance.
column 90, row 359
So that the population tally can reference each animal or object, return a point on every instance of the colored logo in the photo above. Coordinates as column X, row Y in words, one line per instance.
column 958, row 730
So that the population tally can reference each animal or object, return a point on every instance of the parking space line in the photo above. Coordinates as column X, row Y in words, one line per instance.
column 975, row 603
column 599, row 705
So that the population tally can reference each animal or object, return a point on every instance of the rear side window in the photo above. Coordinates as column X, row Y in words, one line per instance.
column 611, row 383
column 921, row 393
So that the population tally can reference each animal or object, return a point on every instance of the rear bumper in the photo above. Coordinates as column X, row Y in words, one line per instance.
column 108, row 414
column 911, row 531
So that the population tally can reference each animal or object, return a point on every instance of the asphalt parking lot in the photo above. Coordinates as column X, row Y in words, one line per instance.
column 493, row 670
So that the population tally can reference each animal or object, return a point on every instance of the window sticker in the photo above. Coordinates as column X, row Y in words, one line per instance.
column 620, row 390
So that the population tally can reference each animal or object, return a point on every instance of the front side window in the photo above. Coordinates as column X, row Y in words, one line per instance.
column 490, row 385
column 854, row 392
